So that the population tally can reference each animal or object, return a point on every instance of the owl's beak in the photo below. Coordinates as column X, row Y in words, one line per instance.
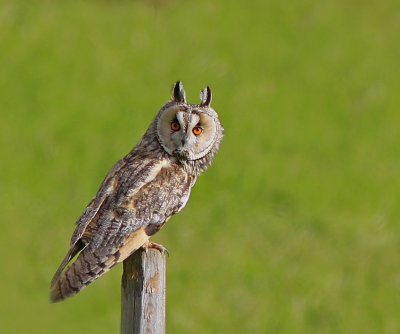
column 181, row 153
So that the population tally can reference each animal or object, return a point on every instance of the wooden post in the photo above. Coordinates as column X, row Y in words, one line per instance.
column 143, row 293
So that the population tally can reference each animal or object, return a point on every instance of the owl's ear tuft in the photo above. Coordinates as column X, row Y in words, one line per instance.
column 178, row 93
column 205, row 97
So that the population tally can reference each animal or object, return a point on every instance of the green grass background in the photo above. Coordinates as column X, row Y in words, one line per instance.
column 294, row 229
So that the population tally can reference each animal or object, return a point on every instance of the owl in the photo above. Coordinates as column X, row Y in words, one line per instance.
column 141, row 191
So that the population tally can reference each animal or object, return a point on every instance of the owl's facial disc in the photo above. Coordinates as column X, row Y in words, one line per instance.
column 186, row 132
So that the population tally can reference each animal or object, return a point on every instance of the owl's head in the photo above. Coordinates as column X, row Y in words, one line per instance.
column 189, row 132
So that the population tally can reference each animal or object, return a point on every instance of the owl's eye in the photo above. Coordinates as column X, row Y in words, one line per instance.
column 175, row 126
column 197, row 130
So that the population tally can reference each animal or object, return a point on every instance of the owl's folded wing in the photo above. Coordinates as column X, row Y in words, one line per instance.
column 111, row 228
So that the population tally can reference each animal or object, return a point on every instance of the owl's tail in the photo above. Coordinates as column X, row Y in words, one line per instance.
column 87, row 268
column 90, row 265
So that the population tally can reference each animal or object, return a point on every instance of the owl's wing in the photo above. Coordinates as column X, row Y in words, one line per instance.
column 87, row 216
column 113, row 228
column 106, row 189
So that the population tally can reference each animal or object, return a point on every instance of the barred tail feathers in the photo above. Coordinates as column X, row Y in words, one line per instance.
column 78, row 275
column 90, row 265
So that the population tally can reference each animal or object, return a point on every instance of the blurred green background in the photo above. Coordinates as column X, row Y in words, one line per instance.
column 294, row 229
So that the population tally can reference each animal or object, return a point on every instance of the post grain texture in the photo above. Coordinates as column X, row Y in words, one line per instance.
column 143, row 293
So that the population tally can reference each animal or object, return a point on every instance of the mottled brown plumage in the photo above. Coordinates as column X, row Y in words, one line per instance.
column 141, row 191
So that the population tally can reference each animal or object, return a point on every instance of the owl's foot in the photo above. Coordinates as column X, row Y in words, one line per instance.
column 154, row 245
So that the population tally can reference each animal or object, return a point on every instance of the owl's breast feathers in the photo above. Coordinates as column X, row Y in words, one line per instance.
column 134, row 201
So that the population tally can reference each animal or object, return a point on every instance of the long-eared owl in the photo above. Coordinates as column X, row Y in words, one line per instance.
column 141, row 191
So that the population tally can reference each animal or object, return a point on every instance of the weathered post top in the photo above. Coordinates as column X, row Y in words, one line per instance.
column 143, row 293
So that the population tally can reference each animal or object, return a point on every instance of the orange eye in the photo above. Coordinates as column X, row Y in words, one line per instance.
column 175, row 126
column 197, row 130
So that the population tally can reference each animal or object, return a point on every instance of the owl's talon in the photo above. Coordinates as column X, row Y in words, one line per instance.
column 157, row 246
